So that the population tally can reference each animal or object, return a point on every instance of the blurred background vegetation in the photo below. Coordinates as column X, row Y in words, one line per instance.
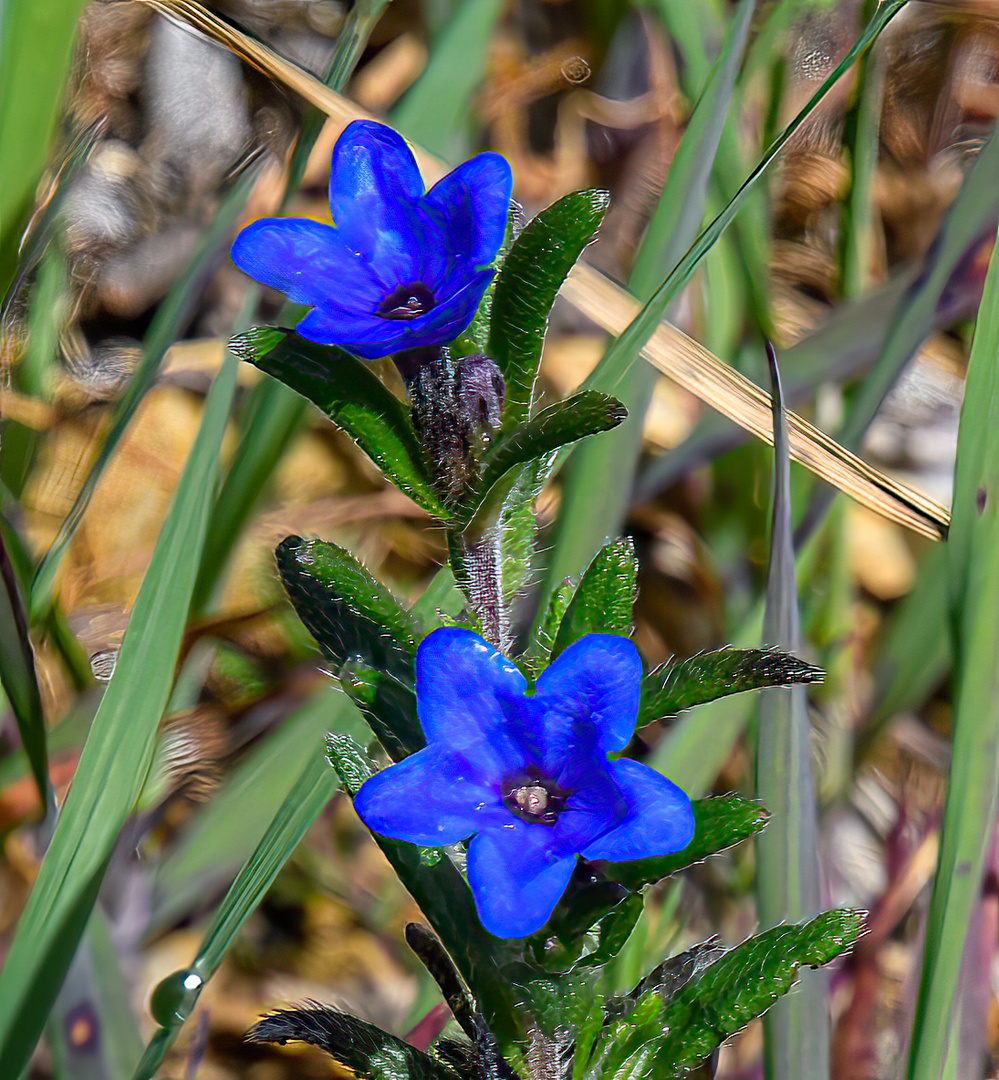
column 119, row 305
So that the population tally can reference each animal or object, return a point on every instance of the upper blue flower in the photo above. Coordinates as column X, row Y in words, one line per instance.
column 400, row 267
column 526, row 776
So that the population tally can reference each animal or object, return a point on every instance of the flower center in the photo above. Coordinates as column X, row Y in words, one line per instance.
column 534, row 799
column 407, row 302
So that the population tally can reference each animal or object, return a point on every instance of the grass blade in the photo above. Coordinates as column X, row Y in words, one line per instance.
column 175, row 998
column 607, row 465
column 435, row 111
column 118, row 752
column 92, row 1033
column 17, row 673
column 973, row 785
column 222, row 836
column 644, row 324
column 35, row 50
column 795, row 1030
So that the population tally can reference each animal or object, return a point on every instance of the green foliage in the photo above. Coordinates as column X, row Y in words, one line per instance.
column 608, row 466
column 351, row 395
column 587, row 413
column 603, row 599
column 682, row 684
column 795, row 1032
column 529, row 280
column 668, row 1038
column 973, row 788
column 35, row 50
column 360, row 626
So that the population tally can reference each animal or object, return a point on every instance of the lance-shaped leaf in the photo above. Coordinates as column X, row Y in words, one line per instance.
column 745, row 982
column 360, row 626
column 350, row 394
column 681, row 684
column 604, row 598
column 719, row 823
column 531, row 276
column 719, row 999
column 564, row 422
column 366, row 1050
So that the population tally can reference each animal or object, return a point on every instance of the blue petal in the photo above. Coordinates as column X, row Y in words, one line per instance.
column 373, row 337
column 595, row 805
column 472, row 203
column 432, row 798
column 659, row 819
column 587, row 701
column 375, row 186
column 470, row 698
column 515, row 879
column 305, row 260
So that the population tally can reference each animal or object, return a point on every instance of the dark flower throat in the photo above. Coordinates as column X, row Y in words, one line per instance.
column 407, row 302
column 532, row 798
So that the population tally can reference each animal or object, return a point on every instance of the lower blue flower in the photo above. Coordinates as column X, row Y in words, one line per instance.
column 526, row 776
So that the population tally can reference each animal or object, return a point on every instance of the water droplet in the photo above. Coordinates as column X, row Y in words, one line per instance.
column 359, row 680
column 174, row 998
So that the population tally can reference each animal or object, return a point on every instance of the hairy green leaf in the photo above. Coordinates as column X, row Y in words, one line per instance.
column 528, row 283
column 587, row 413
column 604, row 598
column 718, row 999
column 366, row 1050
column 359, row 625
column 352, row 396
column 681, row 684
column 746, row 981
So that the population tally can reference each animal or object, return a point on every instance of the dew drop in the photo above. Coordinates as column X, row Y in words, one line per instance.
column 174, row 998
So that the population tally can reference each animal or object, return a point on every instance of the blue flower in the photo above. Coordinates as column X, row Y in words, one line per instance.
column 526, row 776
column 400, row 267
